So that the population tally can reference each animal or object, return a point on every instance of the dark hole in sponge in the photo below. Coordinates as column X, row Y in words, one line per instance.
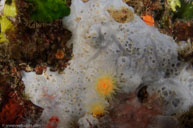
column 142, row 93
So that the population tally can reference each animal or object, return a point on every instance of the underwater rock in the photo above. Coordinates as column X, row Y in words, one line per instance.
column 36, row 43
column 110, row 55
column 185, row 120
column 128, row 112
column 15, row 108
column 183, row 30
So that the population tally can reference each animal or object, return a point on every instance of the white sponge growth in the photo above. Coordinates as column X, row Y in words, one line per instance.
column 108, row 39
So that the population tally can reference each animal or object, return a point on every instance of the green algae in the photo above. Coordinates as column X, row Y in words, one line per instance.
column 48, row 10
column 186, row 11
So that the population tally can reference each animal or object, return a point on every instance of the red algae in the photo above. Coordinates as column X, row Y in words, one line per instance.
column 13, row 111
column 15, row 108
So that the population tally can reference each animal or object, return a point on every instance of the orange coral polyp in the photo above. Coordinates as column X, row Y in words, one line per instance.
column 105, row 86
column 149, row 20
column 97, row 110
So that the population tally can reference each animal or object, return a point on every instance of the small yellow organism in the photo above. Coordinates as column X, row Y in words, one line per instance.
column 97, row 109
column 106, row 86
column 174, row 3
column 8, row 11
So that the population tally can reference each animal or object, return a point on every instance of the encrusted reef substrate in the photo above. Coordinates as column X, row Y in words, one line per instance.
column 114, row 51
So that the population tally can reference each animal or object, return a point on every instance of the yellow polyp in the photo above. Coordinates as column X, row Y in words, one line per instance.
column 10, row 10
column 97, row 109
column 105, row 86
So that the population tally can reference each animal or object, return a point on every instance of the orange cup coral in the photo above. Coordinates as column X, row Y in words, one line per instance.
column 148, row 20
column 97, row 109
column 106, row 86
